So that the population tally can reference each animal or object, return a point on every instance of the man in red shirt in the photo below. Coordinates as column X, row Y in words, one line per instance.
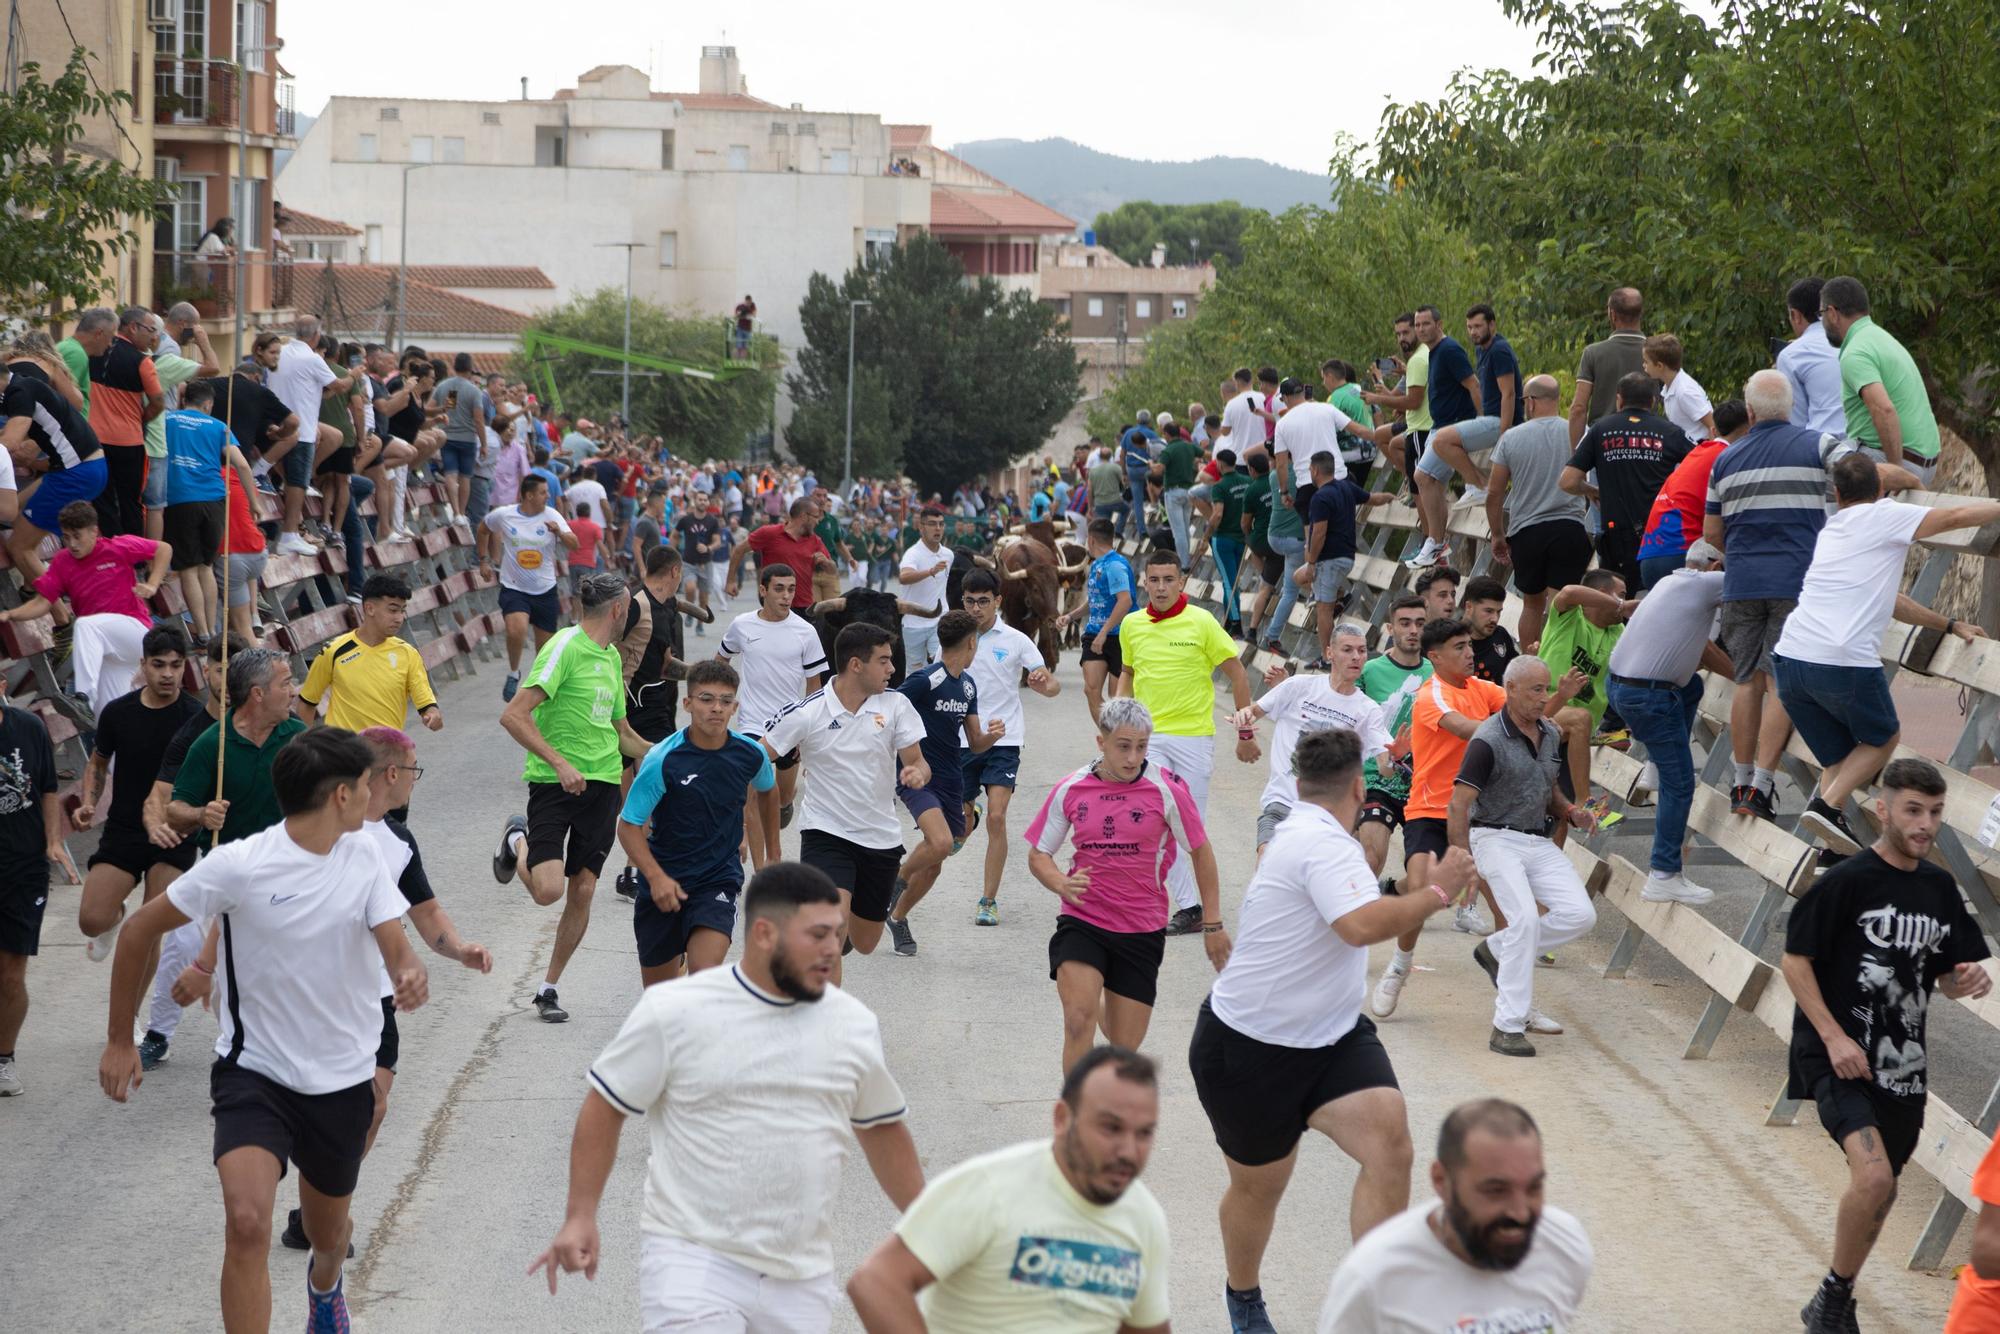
column 792, row 543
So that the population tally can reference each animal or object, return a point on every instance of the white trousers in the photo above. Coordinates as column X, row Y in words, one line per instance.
column 1524, row 870
column 1193, row 759
column 690, row 1289
column 106, row 652
column 177, row 950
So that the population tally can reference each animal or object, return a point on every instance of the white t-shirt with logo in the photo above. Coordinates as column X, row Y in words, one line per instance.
column 929, row 590
column 1304, row 704
column 773, row 660
column 1850, row 588
column 751, row 1101
column 850, row 762
column 997, row 663
column 1306, row 429
column 529, row 546
column 1400, row 1279
column 1017, row 1251
column 1291, row 981
column 298, row 954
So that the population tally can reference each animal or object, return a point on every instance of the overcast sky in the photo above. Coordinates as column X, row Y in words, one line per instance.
column 1143, row 78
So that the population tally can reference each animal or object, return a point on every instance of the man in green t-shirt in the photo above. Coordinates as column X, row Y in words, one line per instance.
column 569, row 715
column 1257, row 528
column 257, row 726
column 1888, row 408
column 1222, row 520
column 95, row 328
column 1583, row 627
column 1176, row 470
column 1391, row 680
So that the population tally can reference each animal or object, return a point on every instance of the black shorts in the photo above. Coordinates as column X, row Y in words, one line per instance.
column 24, row 894
column 867, row 874
column 654, row 725
column 1848, row 1105
column 663, row 936
column 577, row 830
column 340, row 463
column 1427, row 834
column 324, row 1133
column 1113, row 658
column 391, row 1045
column 1550, row 555
column 133, row 853
column 1378, row 807
column 1272, row 567
column 193, row 529
column 1260, row 1097
column 1128, row 960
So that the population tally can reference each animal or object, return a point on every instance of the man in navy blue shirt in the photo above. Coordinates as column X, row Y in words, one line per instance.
column 947, row 699
column 1453, row 397
column 691, row 789
column 1135, row 455
column 1330, row 544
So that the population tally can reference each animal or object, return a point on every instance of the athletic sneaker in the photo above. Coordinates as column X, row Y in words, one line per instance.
column 152, row 1050
column 509, row 686
column 1246, row 1311
column 326, row 1314
column 10, row 1082
column 1827, row 823
column 1761, row 806
column 785, row 816
column 989, row 913
column 506, row 861
column 1674, row 889
column 1482, row 954
column 1467, row 919
column 1510, row 1044
column 1831, row 1311
column 899, row 931
column 291, row 544
column 1387, row 991
column 1185, row 922
column 294, row 1236
column 972, row 817
column 1541, row 1023
column 1617, row 738
column 546, row 1007
column 1474, row 495
column 1739, row 799
column 628, row 883
column 1317, row 665
column 99, row 947
column 1426, row 555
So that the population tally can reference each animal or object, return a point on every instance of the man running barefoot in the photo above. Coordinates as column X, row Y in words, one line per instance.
column 1281, row 1046
column 1306, row 704
column 778, row 654
column 754, row 1081
column 309, row 915
column 1003, row 659
column 857, row 740
column 683, row 824
column 947, row 700
column 1127, row 819
column 569, row 715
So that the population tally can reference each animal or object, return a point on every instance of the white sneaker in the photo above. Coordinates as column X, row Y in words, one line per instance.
column 1541, row 1023
column 1648, row 784
column 1426, row 555
column 99, row 947
column 1468, row 920
column 1383, row 1003
column 291, row 544
column 1474, row 495
column 1674, row 889
column 10, row 1083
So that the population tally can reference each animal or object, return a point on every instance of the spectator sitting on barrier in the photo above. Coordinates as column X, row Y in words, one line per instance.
column 1581, row 633
column 1862, row 952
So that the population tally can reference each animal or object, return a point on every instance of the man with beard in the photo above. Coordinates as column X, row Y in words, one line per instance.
column 1487, row 1254
column 750, row 1079
column 1862, row 952
column 1056, row 1236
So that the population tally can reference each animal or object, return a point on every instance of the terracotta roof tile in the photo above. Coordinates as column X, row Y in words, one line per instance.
column 909, row 136
column 309, row 224
column 480, row 275
column 355, row 299
column 967, row 210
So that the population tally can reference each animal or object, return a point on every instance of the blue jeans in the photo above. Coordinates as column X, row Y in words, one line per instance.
column 1180, row 514
column 1115, row 513
column 354, row 534
column 1136, row 483
column 1293, row 549
column 1664, row 721
column 1228, row 556
column 1655, row 568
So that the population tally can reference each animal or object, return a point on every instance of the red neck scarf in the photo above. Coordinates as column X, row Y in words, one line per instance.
column 1180, row 605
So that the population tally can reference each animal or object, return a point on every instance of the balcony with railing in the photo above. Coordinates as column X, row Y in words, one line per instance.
column 208, row 282
column 189, row 92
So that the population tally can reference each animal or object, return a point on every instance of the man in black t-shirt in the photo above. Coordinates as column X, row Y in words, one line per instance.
column 256, row 417
column 1633, row 449
column 1493, row 645
column 30, row 835
column 1862, row 952
column 41, row 433
column 700, row 532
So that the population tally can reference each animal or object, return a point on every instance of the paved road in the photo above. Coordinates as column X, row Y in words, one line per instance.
column 1702, row 1218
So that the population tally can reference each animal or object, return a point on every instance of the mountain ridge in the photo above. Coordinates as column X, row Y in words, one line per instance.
column 1082, row 181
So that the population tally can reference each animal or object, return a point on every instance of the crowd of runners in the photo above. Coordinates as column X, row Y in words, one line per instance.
column 267, row 822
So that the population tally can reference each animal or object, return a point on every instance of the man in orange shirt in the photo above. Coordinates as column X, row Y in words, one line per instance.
column 125, row 394
column 1449, row 708
column 1976, row 1307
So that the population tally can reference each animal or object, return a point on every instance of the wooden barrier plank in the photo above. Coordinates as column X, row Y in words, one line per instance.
column 1703, row 948
column 1950, row 1149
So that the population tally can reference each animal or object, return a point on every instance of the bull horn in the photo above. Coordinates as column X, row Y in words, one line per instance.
column 983, row 563
column 912, row 609
column 1068, row 570
column 829, row 605
column 1021, row 573
column 1017, row 530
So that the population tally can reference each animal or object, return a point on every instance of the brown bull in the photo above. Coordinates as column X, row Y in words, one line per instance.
column 1030, row 590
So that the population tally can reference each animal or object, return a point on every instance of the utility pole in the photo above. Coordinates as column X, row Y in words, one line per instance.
column 847, row 466
column 245, row 226
column 402, row 259
column 625, row 398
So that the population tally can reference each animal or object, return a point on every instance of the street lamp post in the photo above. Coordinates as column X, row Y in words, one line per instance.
column 244, row 223
column 403, row 257
column 625, row 398
column 847, row 464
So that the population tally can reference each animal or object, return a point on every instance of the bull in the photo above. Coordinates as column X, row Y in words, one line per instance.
column 1073, row 565
column 865, row 606
column 1030, row 590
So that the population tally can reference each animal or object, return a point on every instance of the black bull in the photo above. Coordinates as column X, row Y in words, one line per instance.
column 865, row 606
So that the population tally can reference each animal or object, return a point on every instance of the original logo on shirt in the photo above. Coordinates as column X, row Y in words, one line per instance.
column 1077, row 1266
column 880, row 721
column 1537, row 1321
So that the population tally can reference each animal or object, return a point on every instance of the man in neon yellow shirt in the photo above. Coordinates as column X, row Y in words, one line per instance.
column 1171, row 651
column 374, row 675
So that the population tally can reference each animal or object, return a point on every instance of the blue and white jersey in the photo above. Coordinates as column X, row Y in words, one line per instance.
column 693, row 798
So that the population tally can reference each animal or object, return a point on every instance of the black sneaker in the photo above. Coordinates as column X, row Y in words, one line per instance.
column 1510, row 1044
column 785, row 816
column 1185, row 922
column 546, row 1007
column 899, row 931
column 152, row 1050
column 505, row 860
column 1761, row 805
column 1234, row 629
column 293, row 1238
column 1831, row 1311
column 1824, row 821
column 1317, row 665
column 1482, row 954
column 1739, row 799
column 1247, row 1313
column 628, row 883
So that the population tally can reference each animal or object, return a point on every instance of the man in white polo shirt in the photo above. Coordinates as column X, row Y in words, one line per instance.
column 1287, row 1010
column 926, row 569
column 754, row 1081
column 856, row 740
column 778, row 655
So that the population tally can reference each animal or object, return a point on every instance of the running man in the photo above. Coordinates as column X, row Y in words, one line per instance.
column 30, row 839
column 300, row 1018
column 781, row 660
column 1281, row 1046
column 375, row 676
column 570, row 718
column 1171, row 653
column 1863, row 951
column 682, row 827
column 531, row 537
column 1486, row 1254
column 921, row 576
column 754, row 1081
column 1306, row 704
column 1110, row 593
column 1128, row 819
column 858, row 741
column 954, row 1264
column 1392, row 679
column 1003, row 659
column 947, row 699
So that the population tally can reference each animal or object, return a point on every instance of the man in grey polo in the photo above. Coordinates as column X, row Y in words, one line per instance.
column 1546, row 541
column 1510, row 781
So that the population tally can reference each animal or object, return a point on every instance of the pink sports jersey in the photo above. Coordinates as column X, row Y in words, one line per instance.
column 102, row 582
column 1125, row 834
